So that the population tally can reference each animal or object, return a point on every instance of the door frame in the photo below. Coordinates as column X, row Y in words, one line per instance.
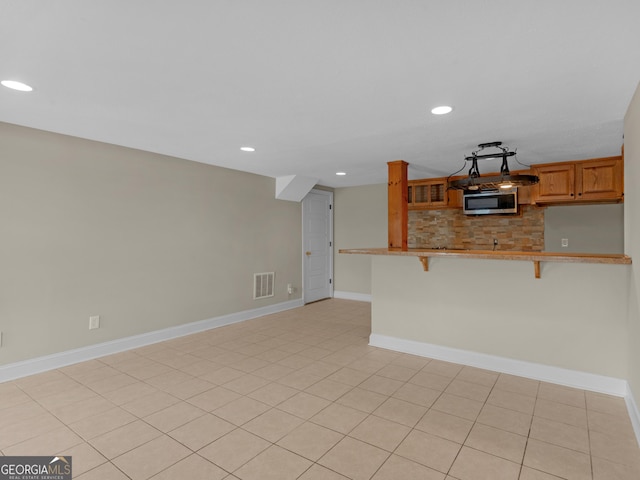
column 330, row 235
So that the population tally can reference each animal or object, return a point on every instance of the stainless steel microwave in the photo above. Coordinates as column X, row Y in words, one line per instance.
column 488, row 202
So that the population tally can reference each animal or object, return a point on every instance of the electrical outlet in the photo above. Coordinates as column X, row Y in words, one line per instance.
column 94, row 322
column 289, row 288
column 564, row 242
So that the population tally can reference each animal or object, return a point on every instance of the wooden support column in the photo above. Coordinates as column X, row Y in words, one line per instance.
column 398, row 206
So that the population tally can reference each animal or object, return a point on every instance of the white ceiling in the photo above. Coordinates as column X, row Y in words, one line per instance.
column 318, row 86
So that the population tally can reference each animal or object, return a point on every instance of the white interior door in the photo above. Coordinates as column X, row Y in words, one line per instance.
column 317, row 243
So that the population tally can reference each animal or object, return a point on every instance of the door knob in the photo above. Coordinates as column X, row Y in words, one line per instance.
column 307, row 253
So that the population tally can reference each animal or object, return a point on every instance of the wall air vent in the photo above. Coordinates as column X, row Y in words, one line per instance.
column 263, row 285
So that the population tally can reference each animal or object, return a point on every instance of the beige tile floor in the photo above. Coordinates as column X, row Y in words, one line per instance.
column 300, row 395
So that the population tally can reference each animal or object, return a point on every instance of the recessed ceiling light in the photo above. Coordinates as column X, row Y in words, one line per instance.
column 441, row 110
column 341, row 173
column 23, row 87
column 247, row 149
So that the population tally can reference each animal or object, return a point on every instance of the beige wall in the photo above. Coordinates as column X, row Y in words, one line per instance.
column 143, row 240
column 632, row 235
column 589, row 228
column 573, row 317
column 360, row 220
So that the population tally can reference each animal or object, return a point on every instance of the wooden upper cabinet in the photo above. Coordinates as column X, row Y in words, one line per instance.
column 429, row 193
column 597, row 180
column 600, row 179
column 557, row 182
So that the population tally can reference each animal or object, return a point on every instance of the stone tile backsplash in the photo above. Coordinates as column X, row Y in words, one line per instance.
column 450, row 228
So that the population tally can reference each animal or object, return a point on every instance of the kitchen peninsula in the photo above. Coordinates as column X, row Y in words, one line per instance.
column 567, row 327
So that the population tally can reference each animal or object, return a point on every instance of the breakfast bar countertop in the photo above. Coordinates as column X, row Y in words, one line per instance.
column 423, row 255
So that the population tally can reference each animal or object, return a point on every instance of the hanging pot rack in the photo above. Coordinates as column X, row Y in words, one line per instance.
column 505, row 180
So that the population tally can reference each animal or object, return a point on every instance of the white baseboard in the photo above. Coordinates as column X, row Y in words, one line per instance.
column 69, row 357
column 360, row 297
column 536, row 371
column 634, row 413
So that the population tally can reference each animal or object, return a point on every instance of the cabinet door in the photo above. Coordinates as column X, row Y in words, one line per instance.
column 420, row 195
column 438, row 194
column 428, row 194
column 455, row 198
column 556, row 183
column 599, row 180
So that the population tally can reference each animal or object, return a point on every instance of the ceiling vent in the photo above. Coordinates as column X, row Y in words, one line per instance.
column 263, row 285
